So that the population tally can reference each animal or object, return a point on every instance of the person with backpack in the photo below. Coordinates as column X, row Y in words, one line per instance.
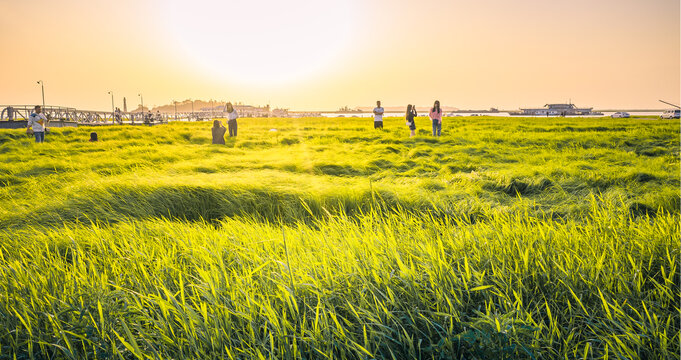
column 37, row 124
column 409, row 116
column 232, row 115
column 435, row 116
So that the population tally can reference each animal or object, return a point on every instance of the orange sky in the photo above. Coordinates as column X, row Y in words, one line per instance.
column 321, row 55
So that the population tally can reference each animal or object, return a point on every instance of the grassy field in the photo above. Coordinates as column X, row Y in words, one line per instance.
column 503, row 239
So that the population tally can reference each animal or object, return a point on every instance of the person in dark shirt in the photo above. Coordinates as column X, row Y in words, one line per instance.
column 409, row 116
column 218, row 132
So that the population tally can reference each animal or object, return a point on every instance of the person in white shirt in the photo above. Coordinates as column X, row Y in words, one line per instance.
column 231, row 119
column 37, row 121
column 378, row 116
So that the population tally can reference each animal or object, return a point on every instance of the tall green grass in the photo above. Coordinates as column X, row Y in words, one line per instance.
column 503, row 239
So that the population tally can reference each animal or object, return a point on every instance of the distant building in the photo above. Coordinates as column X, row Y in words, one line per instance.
column 280, row 113
column 305, row 114
column 346, row 109
column 244, row 110
column 252, row 111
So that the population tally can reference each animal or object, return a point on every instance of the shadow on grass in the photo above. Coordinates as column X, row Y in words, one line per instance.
column 203, row 203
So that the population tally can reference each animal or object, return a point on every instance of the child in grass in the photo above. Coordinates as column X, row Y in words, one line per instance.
column 218, row 132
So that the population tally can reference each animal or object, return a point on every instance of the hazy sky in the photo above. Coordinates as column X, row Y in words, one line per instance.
column 321, row 55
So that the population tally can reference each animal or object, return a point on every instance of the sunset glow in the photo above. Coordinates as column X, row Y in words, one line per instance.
column 321, row 55
column 261, row 43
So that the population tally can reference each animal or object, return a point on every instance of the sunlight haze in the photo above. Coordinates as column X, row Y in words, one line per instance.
column 321, row 55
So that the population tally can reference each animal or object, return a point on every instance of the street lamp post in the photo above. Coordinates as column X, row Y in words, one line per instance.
column 142, row 102
column 113, row 111
column 42, row 88
column 142, row 109
column 175, row 102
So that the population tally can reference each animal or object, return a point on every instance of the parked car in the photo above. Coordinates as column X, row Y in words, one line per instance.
column 671, row 114
column 620, row 114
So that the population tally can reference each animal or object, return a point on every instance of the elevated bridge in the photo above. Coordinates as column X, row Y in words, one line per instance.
column 73, row 116
column 81, row 117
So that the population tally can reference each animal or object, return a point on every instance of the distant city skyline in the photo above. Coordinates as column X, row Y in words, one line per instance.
column 323, row 55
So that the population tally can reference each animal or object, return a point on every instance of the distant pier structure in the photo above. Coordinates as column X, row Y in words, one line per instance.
column 62, row 114
column 13, row 115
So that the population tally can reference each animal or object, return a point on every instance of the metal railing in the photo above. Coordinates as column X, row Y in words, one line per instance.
column 85, row 117
column 60, row 113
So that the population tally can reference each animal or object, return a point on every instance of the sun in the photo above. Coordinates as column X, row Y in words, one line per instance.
column 261, row 42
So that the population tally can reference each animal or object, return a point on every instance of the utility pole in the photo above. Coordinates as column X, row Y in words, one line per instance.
column 192, row 108
column 42, row 87
column 175, row 102
column 113, row 111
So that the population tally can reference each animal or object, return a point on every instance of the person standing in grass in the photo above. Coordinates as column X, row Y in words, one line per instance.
column 231, row 119
column 378, row 116
column 37, row 122
column 218, row 132
column 118, row 116
column 435, row 116
column 410, row 115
